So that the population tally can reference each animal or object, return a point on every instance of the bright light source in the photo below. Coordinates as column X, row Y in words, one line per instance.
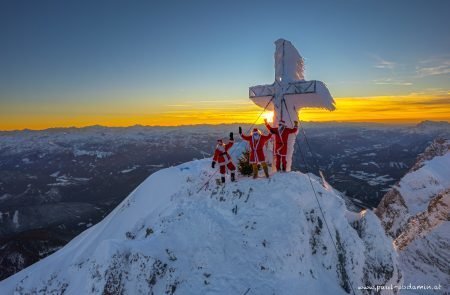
column 268, row 116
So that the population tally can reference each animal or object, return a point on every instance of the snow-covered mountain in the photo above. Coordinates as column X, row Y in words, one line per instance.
column 415, row 213
column 264, row 236
column 56, row 183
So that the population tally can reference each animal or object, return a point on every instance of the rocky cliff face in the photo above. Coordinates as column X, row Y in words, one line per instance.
column 415, row 213
column 264, row 236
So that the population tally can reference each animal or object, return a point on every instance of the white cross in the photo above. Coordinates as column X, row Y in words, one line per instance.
column 290, row 92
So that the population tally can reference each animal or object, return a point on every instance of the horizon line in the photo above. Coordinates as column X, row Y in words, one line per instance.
column 386, row 123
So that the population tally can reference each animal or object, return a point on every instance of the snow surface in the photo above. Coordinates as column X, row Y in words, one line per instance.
column 418, row 187
column 426, row 260
column 55, row 174
column 264, row 236
column 416, row 215
column 130, row 169
column 16, row 218
column 289, row 64
column 98, row 154
column 65, row 180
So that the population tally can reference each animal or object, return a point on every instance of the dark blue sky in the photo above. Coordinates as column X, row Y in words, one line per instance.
column 106, row 51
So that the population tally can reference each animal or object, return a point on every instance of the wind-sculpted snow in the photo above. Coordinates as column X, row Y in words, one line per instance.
column 264, row 236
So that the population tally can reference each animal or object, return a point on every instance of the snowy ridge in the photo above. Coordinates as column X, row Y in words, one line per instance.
column 419, row 187
column 256, row 236
column 416, row 214
column 424, row 222
column 428, row 178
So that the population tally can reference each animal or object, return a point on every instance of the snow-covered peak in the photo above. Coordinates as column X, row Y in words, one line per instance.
column 439, row 147
column 261, row 236
column 428, row 177
column 416, row 214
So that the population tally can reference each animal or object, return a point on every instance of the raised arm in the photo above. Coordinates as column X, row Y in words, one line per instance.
column 246, row 137
column 243, row 136
column 269, row 128
column 230, row 143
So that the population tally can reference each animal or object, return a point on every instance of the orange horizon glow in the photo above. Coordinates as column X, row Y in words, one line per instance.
column 407, row 109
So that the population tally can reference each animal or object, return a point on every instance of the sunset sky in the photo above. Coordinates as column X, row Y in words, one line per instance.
column 121, row 63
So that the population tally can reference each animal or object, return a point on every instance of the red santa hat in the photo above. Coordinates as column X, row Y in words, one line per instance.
column 256, row 130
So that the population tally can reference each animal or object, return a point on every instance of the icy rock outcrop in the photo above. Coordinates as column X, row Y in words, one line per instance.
column 416, row 215
column 264, row 236
column 378, row 269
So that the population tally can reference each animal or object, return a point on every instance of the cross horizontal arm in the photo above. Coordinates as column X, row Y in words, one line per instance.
column 301, row 87
column 261, row 90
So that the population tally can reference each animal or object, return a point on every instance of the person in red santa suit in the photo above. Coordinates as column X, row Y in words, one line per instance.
column 223, row 158
column 256, row 141
column 281, row 139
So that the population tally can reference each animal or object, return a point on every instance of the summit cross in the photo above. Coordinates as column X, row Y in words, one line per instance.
column 290, row 92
